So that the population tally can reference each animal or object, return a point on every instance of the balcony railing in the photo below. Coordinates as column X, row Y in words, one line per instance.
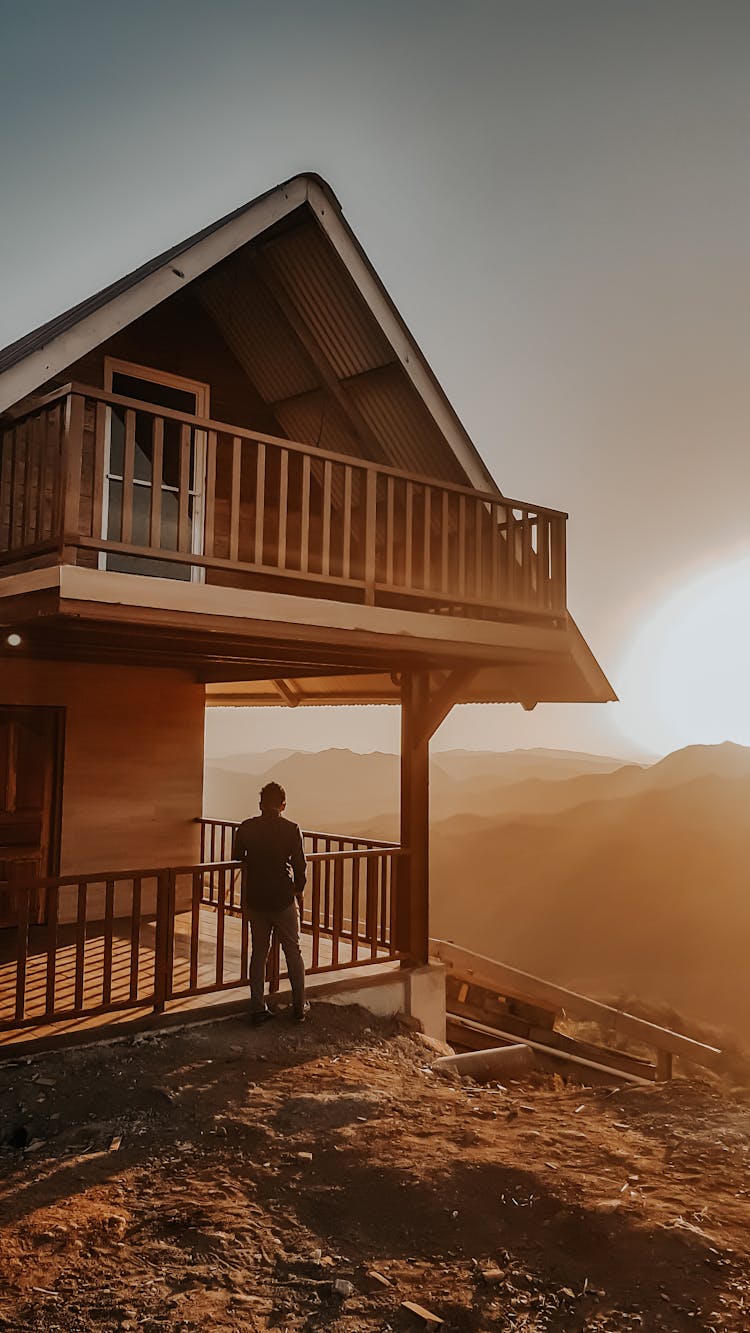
column 139, row 939
column 99, row 479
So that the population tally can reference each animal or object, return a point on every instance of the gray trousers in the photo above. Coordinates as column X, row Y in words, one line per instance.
column 286, row 925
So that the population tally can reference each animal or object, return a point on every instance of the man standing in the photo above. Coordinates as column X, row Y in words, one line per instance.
column 273, row 882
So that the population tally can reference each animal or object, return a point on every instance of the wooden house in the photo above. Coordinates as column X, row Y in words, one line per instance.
column 232, row 478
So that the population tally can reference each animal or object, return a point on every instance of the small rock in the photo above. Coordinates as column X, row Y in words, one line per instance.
column 341, row 1287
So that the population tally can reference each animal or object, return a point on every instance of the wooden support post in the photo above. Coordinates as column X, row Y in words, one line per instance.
column 422, row 711
column 162, row 941
column 412, row 908
column 663, row 1066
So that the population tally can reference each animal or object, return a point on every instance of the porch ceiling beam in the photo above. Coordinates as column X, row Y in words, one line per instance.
column 319, row 361
column 287, row 692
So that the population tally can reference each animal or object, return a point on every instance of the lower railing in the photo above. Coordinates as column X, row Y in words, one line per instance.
column 83, row 946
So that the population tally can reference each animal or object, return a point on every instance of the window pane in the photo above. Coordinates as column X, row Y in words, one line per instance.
column 141, row 515
column 114, row 513
column 117, row 441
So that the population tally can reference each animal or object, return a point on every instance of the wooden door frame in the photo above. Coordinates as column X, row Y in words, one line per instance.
column 202, row 390
column 54, row 796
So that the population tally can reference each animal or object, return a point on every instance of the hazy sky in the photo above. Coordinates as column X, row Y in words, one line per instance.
column 556, row 194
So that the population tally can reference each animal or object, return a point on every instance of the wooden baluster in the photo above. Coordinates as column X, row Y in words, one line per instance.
column 195, row 909
column 390, row 534
column 161, row 942
column 315, row 914
column 542, row 586
column 22, row 948
column 479, row 519
column 526, row 557
column 559, row 574
column 220, row 921
column 371, row 909
column 99, row 478
column 135, row 939
column 6, row 497
column 462, row 545
column 408, row 534
column 157, row 476
column 80, row 945
column 445, row 544
column 31, row 501
column 109, row 915
column 184, row 521
column 389, row 865
column 53, row 469
column 338, row 908
column 356, row 867
column 260, row 501
column 347, row 516
column 304, row 540
column 52, row 913
column 510, row 556
column 283, row 507
column 25, row 474
column 70, row 482
column 234, row 501
column 14, row 434
column 128, row 469
column 325, row 558
column 427, row 551
column 209, row 520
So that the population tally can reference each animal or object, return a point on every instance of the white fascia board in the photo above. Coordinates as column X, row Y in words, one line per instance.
column 397, row 334
column 122, row 310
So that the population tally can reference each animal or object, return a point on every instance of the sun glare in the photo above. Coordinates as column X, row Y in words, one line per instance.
column 685, row 679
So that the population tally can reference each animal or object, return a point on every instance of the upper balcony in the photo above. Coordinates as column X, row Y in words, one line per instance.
column 109, row 482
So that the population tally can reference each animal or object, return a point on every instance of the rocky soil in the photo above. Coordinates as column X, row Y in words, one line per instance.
column 229, row 1178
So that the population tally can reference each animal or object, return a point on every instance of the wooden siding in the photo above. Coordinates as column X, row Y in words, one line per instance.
column 133, row 765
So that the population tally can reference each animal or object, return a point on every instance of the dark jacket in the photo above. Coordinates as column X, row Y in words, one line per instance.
column 273, row 857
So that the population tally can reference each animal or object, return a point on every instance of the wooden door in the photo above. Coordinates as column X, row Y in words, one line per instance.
column 30, row 771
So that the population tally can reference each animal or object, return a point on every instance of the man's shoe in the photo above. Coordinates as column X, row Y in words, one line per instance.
column 299, row 1015
column 262, row 1017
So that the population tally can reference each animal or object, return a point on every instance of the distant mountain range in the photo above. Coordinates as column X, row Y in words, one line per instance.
column 621, row 879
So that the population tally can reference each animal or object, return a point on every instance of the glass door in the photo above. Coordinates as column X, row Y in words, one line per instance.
column 162, row 457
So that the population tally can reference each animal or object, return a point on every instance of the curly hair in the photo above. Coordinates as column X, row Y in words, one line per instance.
column 272, row 796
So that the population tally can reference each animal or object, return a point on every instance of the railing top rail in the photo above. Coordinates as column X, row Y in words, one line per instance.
column 243, row 433
column 116, row 876
column 306, row 833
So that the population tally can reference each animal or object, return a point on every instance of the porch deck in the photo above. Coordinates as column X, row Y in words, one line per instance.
column 110, row 943
column 123, row 1009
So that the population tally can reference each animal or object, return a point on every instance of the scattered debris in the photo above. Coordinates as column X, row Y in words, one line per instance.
column 426, row 1315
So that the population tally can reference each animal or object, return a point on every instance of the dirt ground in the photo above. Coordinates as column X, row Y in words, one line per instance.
column 223, row 1177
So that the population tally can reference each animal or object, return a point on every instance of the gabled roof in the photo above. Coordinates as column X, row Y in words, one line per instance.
column 36, row 358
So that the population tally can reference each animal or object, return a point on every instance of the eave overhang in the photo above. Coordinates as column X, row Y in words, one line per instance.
column 260, row 648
